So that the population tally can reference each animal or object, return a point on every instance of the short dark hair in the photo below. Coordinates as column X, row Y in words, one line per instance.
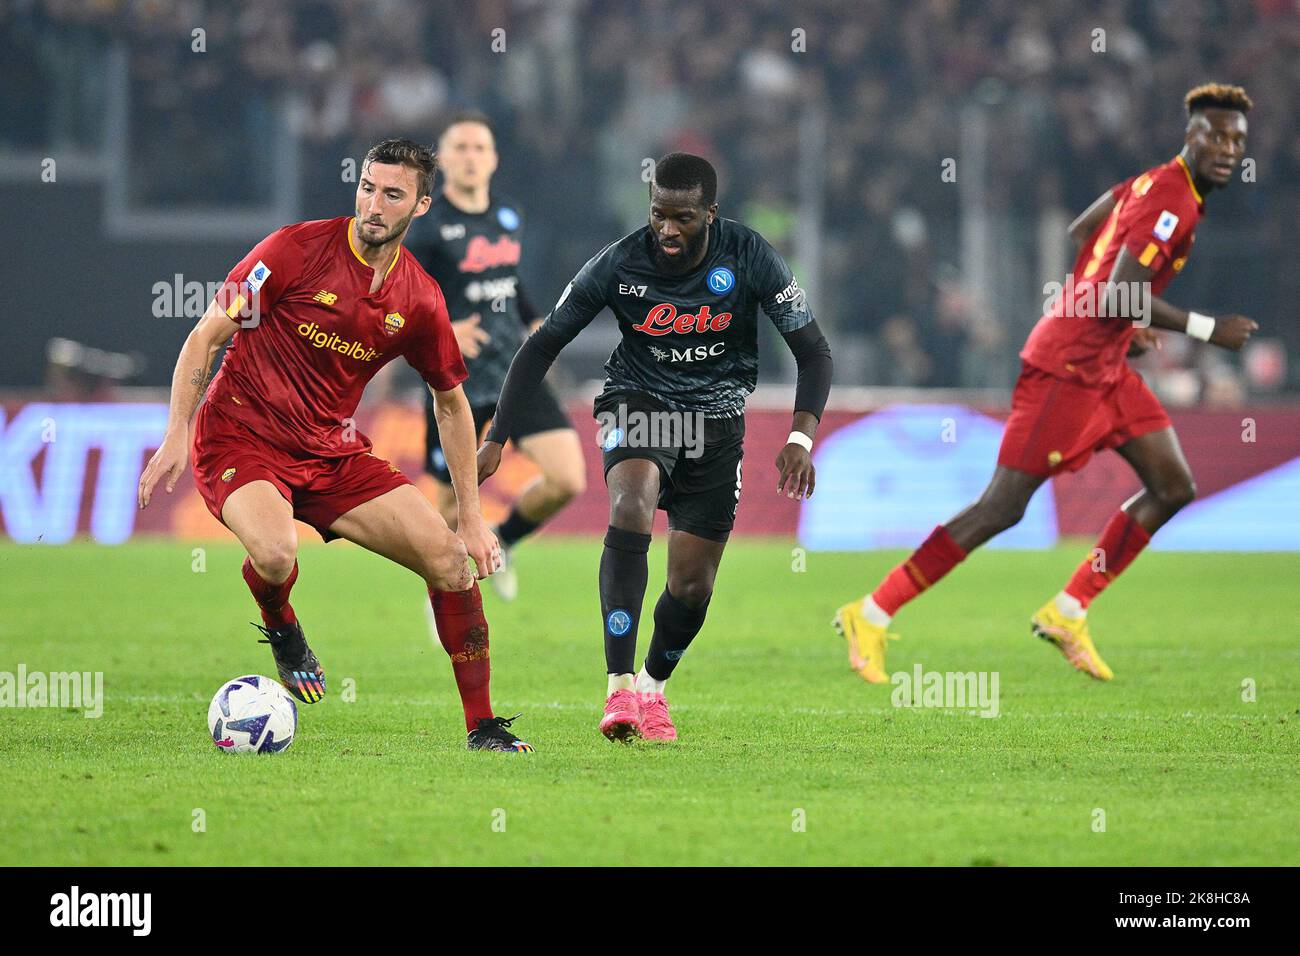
column 405, row 152
column 1216, row 96
column 468, row 116
column 687, row 171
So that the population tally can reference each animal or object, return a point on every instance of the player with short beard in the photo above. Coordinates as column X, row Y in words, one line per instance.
column 686, row 289
column 332, row 301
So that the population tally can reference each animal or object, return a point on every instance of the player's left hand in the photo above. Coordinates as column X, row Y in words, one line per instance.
column 1143, row 341
column 481, row 544
column 796, row 468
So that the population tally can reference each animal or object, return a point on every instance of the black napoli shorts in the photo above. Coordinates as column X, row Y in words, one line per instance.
column 543, row 413
column 699, row 458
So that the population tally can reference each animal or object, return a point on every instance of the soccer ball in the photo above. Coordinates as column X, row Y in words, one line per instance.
column 252, row 715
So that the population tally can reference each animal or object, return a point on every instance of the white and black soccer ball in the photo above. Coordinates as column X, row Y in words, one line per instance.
column 252, row 715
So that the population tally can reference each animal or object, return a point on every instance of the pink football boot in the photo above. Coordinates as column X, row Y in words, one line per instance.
column 622, row 720
column 655, row 722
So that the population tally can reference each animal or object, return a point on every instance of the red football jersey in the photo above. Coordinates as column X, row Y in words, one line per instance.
column 1155, row 218
column 294, row 378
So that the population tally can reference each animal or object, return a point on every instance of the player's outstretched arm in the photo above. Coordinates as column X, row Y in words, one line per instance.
column 458, row 436
column 1227, row 331
column 189, row 382
column 812, row 356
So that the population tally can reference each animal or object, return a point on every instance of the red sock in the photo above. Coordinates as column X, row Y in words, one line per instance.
column 938, row 555
column 1121, row 541
column 273, row 599
column 463, row 630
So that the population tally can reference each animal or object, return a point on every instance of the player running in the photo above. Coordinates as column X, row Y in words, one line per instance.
column 470, row 242
column 315, row 309
column 1076, row 393
column 685, row 290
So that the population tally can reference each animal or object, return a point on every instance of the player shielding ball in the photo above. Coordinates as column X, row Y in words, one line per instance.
column 470, row 242
column 1077, row 395
column 311, row 313
column 686, row 290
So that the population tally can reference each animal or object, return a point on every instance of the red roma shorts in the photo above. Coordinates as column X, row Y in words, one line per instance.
column 227, row 456
column 1056, row 425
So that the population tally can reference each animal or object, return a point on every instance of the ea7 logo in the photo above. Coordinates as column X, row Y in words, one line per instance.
column 636, row 290
column 103, row 909
column 696, row 353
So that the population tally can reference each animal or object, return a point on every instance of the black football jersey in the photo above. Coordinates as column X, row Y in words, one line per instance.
column 475, row 258
column 690, row 341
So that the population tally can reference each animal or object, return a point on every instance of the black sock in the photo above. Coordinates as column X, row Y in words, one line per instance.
column 515, row 526
column 623, row 573
column 676, row 625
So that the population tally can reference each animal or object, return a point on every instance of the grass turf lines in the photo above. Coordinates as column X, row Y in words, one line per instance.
column 786, row 756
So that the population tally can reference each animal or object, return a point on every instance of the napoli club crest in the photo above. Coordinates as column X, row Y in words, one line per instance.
column 619, row 622
column 721, row 280
column 508, row 218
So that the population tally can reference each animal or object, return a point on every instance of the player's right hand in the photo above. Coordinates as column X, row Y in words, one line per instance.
column 481, row 544
column 470, row 336
column 489, row 460
column 1142, row 341
column 1232, row 331
column 168, row 461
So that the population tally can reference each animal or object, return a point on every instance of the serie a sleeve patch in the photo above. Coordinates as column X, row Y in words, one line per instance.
column 1166, row 225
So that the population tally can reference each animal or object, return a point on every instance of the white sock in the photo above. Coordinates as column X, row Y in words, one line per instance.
column 645, row 684
column 621, row 682
column 1069, row 605
column 874, row 613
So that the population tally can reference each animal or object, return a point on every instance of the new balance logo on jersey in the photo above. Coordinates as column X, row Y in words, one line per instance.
column 328, row 298
column 664, row 318
column 696, row 353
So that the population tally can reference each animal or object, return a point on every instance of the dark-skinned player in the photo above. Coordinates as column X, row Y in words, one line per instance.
column 1077, row 395
column 686, row 289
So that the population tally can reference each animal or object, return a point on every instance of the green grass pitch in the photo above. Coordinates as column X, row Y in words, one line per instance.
column 785, row 757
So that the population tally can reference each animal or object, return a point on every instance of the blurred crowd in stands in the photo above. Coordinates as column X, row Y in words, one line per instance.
column 1077, row 95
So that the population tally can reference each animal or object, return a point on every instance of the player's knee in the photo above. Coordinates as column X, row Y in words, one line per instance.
column 998, row 516
column 562, row 487
column 693, row 591
column 572, row 484
column 631, row 509
column 274, row 560
column 448, row 565
column 1178, row 494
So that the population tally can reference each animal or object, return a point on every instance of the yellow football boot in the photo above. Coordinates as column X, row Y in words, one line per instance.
column 1071, row 638
column 866, row 642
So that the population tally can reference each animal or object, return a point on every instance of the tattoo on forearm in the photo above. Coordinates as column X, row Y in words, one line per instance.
column 200, row 378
